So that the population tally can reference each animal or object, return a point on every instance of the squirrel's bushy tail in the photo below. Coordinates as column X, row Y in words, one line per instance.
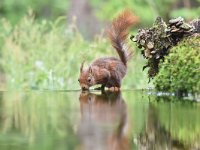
column 118, row 34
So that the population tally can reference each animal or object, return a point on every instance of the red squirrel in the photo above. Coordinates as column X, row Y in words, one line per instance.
column 109, row 71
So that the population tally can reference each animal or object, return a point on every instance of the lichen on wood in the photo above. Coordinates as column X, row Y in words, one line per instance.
column 156, row 42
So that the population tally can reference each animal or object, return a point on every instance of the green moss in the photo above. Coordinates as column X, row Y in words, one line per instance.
column 180, row 72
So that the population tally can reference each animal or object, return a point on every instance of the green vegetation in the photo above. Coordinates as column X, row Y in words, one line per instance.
column 44, row 51
column 42, row 48
column 104, row 10
column 180, row 72
column 50, row 9
column 39, row 55
column 148, row 10
column 46, row 55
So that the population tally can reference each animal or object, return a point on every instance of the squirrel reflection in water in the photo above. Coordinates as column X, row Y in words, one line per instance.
column 104, row 123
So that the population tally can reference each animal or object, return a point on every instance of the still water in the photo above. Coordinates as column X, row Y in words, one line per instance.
column 130, row 120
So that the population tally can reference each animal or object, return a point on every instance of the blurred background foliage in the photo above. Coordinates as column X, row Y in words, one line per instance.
column 42, row 43
column 49, row 9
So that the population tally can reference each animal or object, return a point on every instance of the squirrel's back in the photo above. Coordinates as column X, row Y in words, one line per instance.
column 118, row 33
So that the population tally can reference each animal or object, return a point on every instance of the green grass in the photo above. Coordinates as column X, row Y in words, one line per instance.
column 47, row 55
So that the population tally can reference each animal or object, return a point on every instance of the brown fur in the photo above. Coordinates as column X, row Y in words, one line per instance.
column 109, row 71
column 104, row 116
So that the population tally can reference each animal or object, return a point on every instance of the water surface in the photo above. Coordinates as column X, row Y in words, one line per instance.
column 37, row 120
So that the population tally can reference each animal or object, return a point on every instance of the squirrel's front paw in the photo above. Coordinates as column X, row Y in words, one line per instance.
column 114, row 89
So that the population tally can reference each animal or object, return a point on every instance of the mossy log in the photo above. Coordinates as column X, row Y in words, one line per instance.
column 155, row 42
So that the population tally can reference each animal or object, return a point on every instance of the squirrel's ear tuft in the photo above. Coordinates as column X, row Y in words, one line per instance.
column 82, row 64
column 90, row 69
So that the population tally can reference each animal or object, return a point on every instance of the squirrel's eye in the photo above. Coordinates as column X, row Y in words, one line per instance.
column 78, row 80
column 89, row 79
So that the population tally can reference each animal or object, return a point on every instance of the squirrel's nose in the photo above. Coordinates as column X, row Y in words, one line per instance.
column 84, row 88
